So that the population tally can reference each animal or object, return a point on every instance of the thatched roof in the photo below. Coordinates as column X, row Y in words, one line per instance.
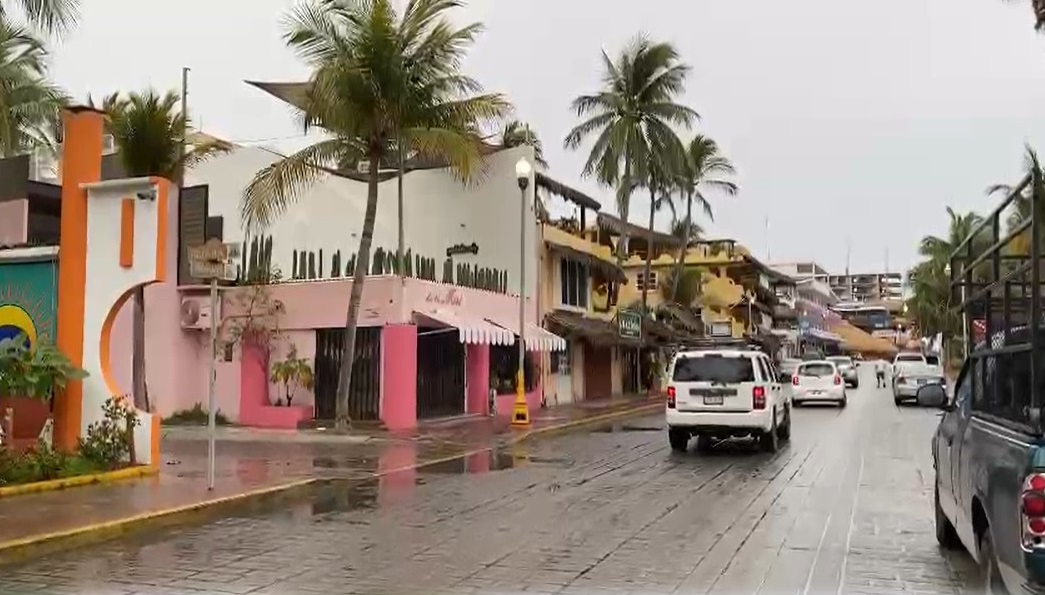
column 614, row 225
column 558, row 188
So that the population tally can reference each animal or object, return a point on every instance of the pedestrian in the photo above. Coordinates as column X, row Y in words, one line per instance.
column 879, row 373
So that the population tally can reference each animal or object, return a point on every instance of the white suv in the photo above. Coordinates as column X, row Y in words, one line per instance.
column 722, row 393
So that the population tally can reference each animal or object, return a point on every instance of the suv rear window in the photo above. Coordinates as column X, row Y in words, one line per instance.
column 932, row 360
column 816, row 370
column 909, row 357
column 714, row 368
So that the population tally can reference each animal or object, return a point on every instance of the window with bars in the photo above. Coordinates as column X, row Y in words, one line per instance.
column 573, row 283
column 641, row 281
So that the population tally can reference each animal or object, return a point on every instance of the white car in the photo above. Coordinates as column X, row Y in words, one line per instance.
column 818, row 381
column 725, row 393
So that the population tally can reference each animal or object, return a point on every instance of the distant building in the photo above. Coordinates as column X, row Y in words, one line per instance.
column 868, row 287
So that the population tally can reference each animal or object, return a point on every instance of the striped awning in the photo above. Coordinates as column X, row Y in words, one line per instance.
column 537, row 338
column 470, row 330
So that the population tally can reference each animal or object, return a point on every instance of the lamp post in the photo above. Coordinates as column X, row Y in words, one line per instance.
column 521, row 411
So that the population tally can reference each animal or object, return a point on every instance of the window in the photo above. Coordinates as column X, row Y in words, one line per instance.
column 767, row 371
column 817, row 370
column 573, row 283
column 714, row 368
column 963, row 393
column 560, row 360
column 932, row 360
column 640, row 282
column 504, row 368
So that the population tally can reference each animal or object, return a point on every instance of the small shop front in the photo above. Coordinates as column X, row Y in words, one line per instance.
column 593, row 366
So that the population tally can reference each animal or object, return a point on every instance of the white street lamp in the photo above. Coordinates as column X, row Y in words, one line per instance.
column 520, row 413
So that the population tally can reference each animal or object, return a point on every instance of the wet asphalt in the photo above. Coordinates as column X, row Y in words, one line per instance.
column 845, row 507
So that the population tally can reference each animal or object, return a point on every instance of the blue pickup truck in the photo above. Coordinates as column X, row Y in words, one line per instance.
column 989, row 448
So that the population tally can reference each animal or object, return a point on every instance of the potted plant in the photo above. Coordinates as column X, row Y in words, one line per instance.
column 34, row 372
column 292, row 372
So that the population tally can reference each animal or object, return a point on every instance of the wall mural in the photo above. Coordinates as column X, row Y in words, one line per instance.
column 28, row 301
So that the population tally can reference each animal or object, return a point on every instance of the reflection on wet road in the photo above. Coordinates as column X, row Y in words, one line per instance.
column 845, row 508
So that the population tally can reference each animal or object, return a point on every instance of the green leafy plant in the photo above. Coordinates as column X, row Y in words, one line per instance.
column 293, row 372
column 109, row 441
column 41, row 463
column 34, row 372
column 197, row 415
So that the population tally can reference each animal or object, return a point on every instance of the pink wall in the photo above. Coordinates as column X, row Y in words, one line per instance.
column 14, row 222
column 399, row 376
column 478, row 374
column 428, row 296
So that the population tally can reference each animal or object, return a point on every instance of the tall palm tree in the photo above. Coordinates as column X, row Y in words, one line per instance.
column 377, row 78
column 29, row 104
column 148, row 131
column 633, row 113
column 1024, row 203
column 517, row 134
column 52, row 17
column 707, row 169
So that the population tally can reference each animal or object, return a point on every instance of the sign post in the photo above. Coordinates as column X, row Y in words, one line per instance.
column 211, row 261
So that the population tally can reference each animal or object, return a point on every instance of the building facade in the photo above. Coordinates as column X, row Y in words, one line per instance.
column 868, row 287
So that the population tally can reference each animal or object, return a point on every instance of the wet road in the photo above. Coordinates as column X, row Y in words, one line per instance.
column 846, row 507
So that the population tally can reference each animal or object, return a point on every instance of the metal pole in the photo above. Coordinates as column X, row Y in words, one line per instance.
column 211, row 406
column 521, row 389
column 184, row 125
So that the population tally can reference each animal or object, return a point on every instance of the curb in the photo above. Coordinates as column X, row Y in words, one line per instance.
column 79, row 480
column 37, row 545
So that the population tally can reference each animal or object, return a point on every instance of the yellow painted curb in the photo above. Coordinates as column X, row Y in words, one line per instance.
column 589, row 421
column 79, row 480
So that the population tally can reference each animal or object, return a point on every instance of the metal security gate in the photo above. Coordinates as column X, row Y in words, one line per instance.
column 440, row 373
column 364, row 403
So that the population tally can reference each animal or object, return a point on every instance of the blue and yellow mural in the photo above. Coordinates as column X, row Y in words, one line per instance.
column 28, row 300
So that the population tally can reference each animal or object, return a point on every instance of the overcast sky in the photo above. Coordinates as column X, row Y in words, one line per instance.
column 849, row 121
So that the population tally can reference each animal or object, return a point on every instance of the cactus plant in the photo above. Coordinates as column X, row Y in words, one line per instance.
column 335, row 264
column 408, row 262
column 266, row 267
column 350, row 269
column 311, row 264
column 319, row 264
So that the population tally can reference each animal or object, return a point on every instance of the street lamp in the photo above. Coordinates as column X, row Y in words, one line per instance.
column 521, row 411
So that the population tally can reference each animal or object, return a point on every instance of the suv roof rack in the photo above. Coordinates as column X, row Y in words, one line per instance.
column 720, row 343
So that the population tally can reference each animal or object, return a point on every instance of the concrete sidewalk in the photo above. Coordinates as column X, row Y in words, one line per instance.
column 259, row 465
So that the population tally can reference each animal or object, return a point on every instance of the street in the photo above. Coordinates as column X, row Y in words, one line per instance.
column 846, row 507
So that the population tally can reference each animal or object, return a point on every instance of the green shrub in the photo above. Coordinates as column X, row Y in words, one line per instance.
column 197, row 416
column 108, row 442
column 42, row 463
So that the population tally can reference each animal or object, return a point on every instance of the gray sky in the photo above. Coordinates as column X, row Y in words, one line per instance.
column 846, row 119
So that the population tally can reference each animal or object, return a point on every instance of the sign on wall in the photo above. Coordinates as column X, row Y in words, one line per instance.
column 629, row 324
column 28, row 300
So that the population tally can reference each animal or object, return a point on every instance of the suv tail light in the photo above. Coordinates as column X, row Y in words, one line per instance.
column 794, row 380
column 1032, row 511
column 838, row 379
column 758, row 397
column 671, row 397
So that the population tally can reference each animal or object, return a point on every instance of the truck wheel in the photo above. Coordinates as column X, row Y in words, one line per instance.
column 770, row 441
column 679, row 439
column 946, row 536
column 785, row 430
column 992, row 582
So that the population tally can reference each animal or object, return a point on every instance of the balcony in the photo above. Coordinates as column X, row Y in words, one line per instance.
column 784, row 312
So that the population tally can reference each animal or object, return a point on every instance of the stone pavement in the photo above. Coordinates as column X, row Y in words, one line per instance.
column 251, row 462
column 844, row 508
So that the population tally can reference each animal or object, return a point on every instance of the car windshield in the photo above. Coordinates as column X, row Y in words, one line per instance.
column 818, row 370
column 843, row 361
column 714, row 368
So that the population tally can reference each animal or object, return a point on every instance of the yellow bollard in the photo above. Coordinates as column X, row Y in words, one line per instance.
column 520, row 410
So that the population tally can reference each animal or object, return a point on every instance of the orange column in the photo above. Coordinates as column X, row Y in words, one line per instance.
column 81, row 163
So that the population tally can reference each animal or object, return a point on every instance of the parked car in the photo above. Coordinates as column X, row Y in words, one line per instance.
column 726, row 393
column 847, row 368
column 912, row 376
column 818, row 381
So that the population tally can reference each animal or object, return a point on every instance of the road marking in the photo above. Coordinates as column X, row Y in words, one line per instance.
column 852, row 524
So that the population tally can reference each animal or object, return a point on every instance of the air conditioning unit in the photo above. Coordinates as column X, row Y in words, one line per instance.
column 196, row 313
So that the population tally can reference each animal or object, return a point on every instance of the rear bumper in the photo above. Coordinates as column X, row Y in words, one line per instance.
column 720, row 422
column 805, row 395
column 907, row 391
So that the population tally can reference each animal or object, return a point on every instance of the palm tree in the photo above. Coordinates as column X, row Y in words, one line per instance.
column 29, row 105
column 632, row 115
column 707, row 169
column 52, row 17
column 517, row 134
column 377, row 78
column 148, row 131
column 1023, row 204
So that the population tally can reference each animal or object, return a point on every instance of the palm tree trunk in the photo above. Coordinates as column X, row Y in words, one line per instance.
column 649, row 251
column 401, row 245
column 139, row 388
column 366, row 238
column 680, row 264
column 623, row 202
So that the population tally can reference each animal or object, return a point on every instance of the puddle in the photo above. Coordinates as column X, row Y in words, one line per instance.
column 344, row 496
column 482, row 462
column 615, row 428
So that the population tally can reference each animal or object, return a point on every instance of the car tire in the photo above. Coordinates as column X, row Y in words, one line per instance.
column 946, row 536
column 843, row 402
column 897, row 400
column 992, row 581
column 679, row 439
column 770, row 441
column 856, row 384
column 785, row 430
